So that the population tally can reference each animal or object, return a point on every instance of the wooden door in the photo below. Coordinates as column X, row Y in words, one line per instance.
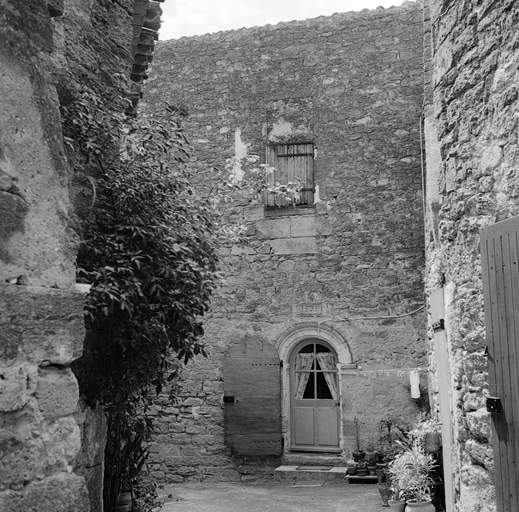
column 252, row 398
column 315, row 400
column 500, row 270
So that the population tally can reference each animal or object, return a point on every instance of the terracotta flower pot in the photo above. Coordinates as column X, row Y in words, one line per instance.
column 420, row 507
column 372, row 470
column 397, row 505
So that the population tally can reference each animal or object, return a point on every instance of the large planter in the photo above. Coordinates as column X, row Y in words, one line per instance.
column 420, row 507
column 397, row 505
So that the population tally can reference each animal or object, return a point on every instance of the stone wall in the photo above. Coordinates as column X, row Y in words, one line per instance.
column 40, row 313
column 349, row 266
column 472, row 166
column 48, row 49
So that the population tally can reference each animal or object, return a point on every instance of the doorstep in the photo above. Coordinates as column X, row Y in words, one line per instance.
column 300, row 473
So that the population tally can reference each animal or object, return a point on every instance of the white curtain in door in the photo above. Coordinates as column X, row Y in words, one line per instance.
column 303, row 362
column 328, row 362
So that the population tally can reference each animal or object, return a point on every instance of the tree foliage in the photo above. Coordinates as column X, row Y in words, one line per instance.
column 148, row 247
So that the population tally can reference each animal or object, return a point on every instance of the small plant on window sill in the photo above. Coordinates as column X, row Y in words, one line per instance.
column 252, row 180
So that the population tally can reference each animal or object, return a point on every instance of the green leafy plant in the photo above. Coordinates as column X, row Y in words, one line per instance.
column 148, row 249
column 393, row 439
column 149, row 242
column 258, row 180
column 409, row 475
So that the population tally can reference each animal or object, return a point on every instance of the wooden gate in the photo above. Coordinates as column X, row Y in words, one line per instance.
column 500, row 267
column 252, row 398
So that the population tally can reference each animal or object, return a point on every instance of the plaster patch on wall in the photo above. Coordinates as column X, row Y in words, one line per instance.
column 317, row 197
column 281, row 129
column 240, row 153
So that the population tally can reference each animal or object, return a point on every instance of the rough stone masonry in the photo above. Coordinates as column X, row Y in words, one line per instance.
column 351, row 85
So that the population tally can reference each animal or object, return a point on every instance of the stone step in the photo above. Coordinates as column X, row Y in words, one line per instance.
column 312, row 459
column 292, row 473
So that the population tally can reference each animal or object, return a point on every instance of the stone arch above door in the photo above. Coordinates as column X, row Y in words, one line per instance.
column 285, row 345
column 289, row 339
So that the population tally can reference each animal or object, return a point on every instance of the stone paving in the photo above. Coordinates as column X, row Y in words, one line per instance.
column 267, row 497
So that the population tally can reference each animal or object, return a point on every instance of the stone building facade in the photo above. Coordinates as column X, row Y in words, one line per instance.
column 51, row 448
column 333, row 82
column 343, row 93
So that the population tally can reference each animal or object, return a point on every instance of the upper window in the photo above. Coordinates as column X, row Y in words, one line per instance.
column 294, row 167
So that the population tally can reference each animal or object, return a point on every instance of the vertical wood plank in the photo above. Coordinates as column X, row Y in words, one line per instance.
column 489, row 289
column 511, row 376
column 501, row 361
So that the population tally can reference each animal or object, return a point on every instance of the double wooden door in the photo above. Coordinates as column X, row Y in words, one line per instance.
column 315, row 402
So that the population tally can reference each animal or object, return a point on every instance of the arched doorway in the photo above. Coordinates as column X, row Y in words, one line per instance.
column 314, row 397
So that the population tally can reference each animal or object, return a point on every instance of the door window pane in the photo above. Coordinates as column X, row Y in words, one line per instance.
column 309, row 390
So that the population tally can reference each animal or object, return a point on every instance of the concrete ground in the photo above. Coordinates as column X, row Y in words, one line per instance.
column 266, row 497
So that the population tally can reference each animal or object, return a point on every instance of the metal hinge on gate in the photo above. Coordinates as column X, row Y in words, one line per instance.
column 281, row 363
column 493, row 404
column 439, row 325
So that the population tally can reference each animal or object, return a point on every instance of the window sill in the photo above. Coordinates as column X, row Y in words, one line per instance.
column 284, row 211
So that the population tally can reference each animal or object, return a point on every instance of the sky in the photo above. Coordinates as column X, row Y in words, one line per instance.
column 197, row 17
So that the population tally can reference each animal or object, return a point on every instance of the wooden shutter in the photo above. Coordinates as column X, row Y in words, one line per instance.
column 500, row 269
column 252, row 398
column 292, row 162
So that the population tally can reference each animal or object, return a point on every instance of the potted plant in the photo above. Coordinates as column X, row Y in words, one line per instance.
column 411, row 481
column 427, row 433
column 359, row 454
column 362, row 468
column 352, row 467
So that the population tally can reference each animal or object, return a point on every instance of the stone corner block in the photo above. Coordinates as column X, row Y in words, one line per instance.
column 57, row 392
column 63, row 492
column 43, row 324
column 17, row 383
